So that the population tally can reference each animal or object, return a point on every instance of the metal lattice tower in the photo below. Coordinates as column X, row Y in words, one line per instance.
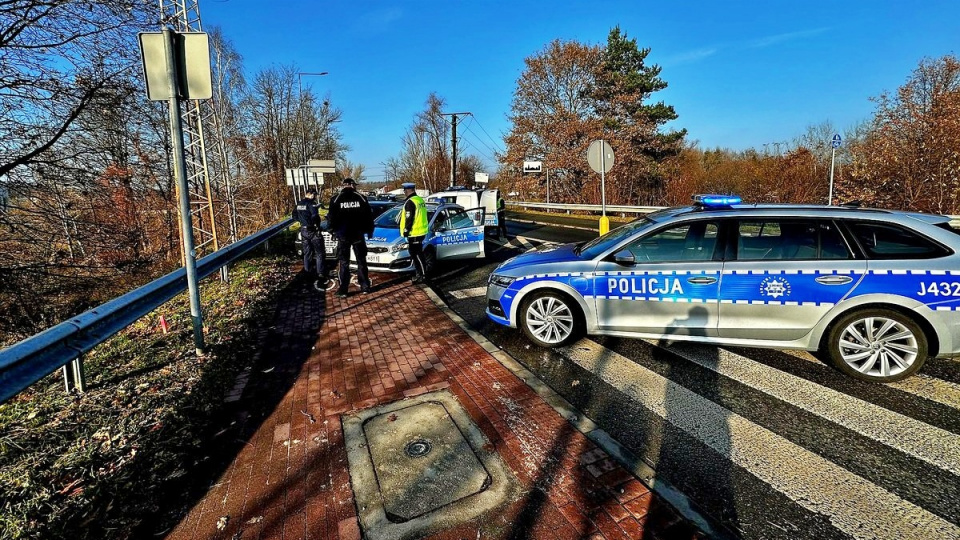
column 184, row 16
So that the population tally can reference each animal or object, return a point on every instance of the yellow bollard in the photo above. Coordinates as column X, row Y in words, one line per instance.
column 604, row 225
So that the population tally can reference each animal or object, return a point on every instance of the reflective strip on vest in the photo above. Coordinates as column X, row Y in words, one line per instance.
column 419, row 217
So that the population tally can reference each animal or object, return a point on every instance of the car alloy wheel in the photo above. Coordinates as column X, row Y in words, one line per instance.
column 878, row 345
column 549, row 320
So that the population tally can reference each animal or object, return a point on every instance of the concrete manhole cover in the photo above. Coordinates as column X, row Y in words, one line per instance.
column 419, row 465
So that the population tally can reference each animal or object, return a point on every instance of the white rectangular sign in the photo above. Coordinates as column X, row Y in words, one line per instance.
column 532, row 166
column 481, row 178
column 192, row 56
column 322, row 166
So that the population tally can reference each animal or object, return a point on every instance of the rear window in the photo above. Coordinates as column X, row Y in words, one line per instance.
column 955, row 229
column 888, row 241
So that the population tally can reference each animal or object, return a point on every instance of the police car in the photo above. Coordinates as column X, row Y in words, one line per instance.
column 453, row 233
column 876, row 292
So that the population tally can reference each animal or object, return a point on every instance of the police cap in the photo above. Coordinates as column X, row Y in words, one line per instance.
column 408, row 185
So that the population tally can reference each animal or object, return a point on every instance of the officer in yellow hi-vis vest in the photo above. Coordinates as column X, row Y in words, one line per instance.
column 413, row 227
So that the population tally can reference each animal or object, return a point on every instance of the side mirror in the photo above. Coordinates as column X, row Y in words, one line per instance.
column 625, row 258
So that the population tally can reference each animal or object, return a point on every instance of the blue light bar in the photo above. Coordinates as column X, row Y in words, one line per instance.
column 716, row 201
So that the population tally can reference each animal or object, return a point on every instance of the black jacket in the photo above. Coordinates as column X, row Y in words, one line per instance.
column 350, row 217
column 306, row 213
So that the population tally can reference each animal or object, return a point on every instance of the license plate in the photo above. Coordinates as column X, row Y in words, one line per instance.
column 374, row 258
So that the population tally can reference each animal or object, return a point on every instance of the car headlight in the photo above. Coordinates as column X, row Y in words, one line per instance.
column 397, row 248
column 501, row 281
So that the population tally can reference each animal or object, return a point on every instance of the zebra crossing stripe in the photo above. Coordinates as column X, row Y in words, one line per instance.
column 939, row 391
column 936, row 446
column 469, row 293
column 854, row 505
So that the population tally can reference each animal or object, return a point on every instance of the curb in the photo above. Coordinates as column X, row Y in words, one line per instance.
column 636, row 466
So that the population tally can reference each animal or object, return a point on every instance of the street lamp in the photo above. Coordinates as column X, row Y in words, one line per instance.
column 303, row 123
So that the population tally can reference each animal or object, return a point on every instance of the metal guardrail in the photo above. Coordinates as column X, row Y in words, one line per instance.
column 587, row 207
column 32, row 359
column 954, row 220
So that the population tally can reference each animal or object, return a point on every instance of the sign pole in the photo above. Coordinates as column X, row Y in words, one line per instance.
column 179, row 169
column 604, row 220
column 548, row 185
column 835, row 143
column 830, row 196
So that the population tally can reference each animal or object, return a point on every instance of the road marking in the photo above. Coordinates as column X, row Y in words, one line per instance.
column 939, row 391
column 469, row 293
column 856, row 506
column 936, row 446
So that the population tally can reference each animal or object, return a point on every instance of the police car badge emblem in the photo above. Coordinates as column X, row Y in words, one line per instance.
column 775, row 287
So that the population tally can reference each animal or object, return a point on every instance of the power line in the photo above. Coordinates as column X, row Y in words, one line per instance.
column 468, row 128
column 489, row 137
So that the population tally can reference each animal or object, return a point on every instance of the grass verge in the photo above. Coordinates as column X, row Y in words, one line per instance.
column 98, row 465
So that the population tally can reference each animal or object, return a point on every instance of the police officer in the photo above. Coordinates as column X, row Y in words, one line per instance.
column 308, row 216
column 413, row 227
column 501, row 216
column 349, row 219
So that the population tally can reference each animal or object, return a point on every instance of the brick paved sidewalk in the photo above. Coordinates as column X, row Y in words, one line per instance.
column 325, row 356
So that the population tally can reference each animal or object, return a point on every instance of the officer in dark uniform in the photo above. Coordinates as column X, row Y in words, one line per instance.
column 349, row 219
column 501, row 216
column 413, row 227
column 309, row 217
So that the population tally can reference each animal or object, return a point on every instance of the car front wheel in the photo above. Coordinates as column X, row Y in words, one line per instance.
column 877, row 345
column 550, row 319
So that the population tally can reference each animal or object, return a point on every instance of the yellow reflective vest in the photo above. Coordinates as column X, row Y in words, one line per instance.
column 419, row 226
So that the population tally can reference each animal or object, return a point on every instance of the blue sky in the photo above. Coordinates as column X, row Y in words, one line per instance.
column 740, row 74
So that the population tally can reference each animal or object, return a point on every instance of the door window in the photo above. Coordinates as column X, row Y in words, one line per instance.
column 789, row 240
column 459, row 219
column 688, row 242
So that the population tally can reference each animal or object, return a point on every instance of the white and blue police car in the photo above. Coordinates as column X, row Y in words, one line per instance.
column 453, row 233
column 876, row 292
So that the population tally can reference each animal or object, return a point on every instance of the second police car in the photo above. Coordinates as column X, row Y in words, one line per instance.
column 876, row 292
column 454, row 233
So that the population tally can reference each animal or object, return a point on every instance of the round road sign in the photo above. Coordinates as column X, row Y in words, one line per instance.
column 600, row 156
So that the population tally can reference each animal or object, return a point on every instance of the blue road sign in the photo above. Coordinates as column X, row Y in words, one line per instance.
column 836, row 141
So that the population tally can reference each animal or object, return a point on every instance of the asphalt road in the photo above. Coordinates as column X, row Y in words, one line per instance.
column 770, row 444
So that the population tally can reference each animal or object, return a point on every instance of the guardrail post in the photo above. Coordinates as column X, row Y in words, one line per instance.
column 73, row 378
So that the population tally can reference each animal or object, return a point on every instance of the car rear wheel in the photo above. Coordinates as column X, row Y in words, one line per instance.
column 877, row 345
column 550, row 319
column 429, row 261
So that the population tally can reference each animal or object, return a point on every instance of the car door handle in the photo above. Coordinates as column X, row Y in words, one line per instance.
column 702, row 280
column 834, row 280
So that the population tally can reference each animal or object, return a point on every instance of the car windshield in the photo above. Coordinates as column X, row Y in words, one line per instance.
column 391, row 218
column 601, row 244
column 379, row 207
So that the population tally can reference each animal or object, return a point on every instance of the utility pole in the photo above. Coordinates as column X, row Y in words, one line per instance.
column 303, row 125
column 453, row 140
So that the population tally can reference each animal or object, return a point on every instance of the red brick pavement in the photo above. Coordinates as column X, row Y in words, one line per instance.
column 290, row 479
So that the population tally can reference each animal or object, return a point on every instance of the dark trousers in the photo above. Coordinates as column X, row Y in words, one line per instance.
column 502, row 224
column 313, row 248
column 343, row 256
column 415, row 247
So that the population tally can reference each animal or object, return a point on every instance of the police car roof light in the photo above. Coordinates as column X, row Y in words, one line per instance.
column 716, row 201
